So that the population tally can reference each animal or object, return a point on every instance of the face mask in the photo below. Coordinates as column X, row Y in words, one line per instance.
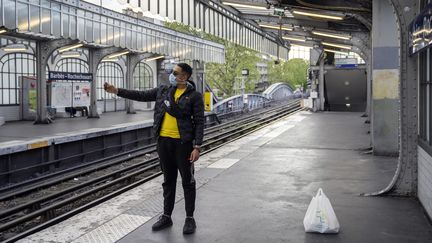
column 172, row 79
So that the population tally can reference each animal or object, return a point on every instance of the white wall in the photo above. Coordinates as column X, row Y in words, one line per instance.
column 425, row 180
column 10, row 113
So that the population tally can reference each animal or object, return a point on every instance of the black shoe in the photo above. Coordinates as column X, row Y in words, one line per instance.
column 163, row 222
column 189, row 226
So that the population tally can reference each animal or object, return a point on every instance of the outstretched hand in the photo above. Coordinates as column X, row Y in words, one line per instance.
column 110, row 88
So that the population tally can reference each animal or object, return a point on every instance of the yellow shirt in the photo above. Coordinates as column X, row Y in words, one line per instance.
column 169, row 126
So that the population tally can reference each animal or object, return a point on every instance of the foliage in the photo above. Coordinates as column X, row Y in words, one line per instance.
column 184, row 28
column 293, row 71
column 224, row 76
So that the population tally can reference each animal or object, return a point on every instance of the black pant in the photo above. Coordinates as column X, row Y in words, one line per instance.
column 173, row 155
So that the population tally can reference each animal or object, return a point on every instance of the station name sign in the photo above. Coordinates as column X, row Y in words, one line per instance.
column 70, row 76
column 420, row 31
column 346, row 62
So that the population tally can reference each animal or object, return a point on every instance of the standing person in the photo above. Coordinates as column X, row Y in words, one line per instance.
column 179, row 129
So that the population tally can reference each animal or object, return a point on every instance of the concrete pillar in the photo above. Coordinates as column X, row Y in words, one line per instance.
column 321, row 84
column 385, row 80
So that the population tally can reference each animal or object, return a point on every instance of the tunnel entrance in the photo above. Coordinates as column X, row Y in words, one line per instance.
column 345, row 90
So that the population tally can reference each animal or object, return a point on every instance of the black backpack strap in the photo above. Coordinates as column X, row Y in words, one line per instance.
column 171, row 107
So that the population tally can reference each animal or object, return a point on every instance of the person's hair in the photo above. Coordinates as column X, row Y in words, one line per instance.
column 185, row 68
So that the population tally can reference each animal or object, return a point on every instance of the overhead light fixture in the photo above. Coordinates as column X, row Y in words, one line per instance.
column 154, row 58
column 67, row 48
column 417, row 39
column 244, row 5
column 118, row 54
column 340, row 52
column 293, row 38
column 110, row 60
column 274, row 27
column 70, row 54
column 343, row 37
column 427, row 31
column 14, row 49
column 324, row 16
column 336, row 45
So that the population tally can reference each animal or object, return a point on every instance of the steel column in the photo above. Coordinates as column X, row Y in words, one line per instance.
column 95, row 57
column 131, row 62
column 199, row 85
column 404, row 182
column 321, row 84
column 44, row 49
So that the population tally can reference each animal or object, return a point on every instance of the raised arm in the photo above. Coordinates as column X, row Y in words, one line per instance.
column 145, row 95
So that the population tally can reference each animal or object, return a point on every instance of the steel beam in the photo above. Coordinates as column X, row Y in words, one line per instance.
column 366, row 22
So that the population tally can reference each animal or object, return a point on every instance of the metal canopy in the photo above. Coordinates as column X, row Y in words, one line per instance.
column 357, row 16
column 94, row 25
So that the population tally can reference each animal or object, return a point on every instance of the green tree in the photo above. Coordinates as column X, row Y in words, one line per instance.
column 223, row 76
column 293, row 71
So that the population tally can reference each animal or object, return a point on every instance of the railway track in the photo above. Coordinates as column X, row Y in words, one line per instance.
column 29, row 207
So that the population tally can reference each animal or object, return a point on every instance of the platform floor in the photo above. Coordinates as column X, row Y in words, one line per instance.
column 257, row 189
column 24, row 130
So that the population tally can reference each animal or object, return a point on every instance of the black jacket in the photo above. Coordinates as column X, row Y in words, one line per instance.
column 188, row 110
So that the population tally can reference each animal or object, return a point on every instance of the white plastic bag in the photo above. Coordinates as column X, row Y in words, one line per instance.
column 320, row 216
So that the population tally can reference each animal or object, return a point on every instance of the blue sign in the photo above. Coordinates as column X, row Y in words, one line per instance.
column 70, row 76
column 346, row 65
column 420, row 32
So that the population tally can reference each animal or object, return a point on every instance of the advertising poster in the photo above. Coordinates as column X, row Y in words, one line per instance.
column 61, row 94
column 81, row 94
